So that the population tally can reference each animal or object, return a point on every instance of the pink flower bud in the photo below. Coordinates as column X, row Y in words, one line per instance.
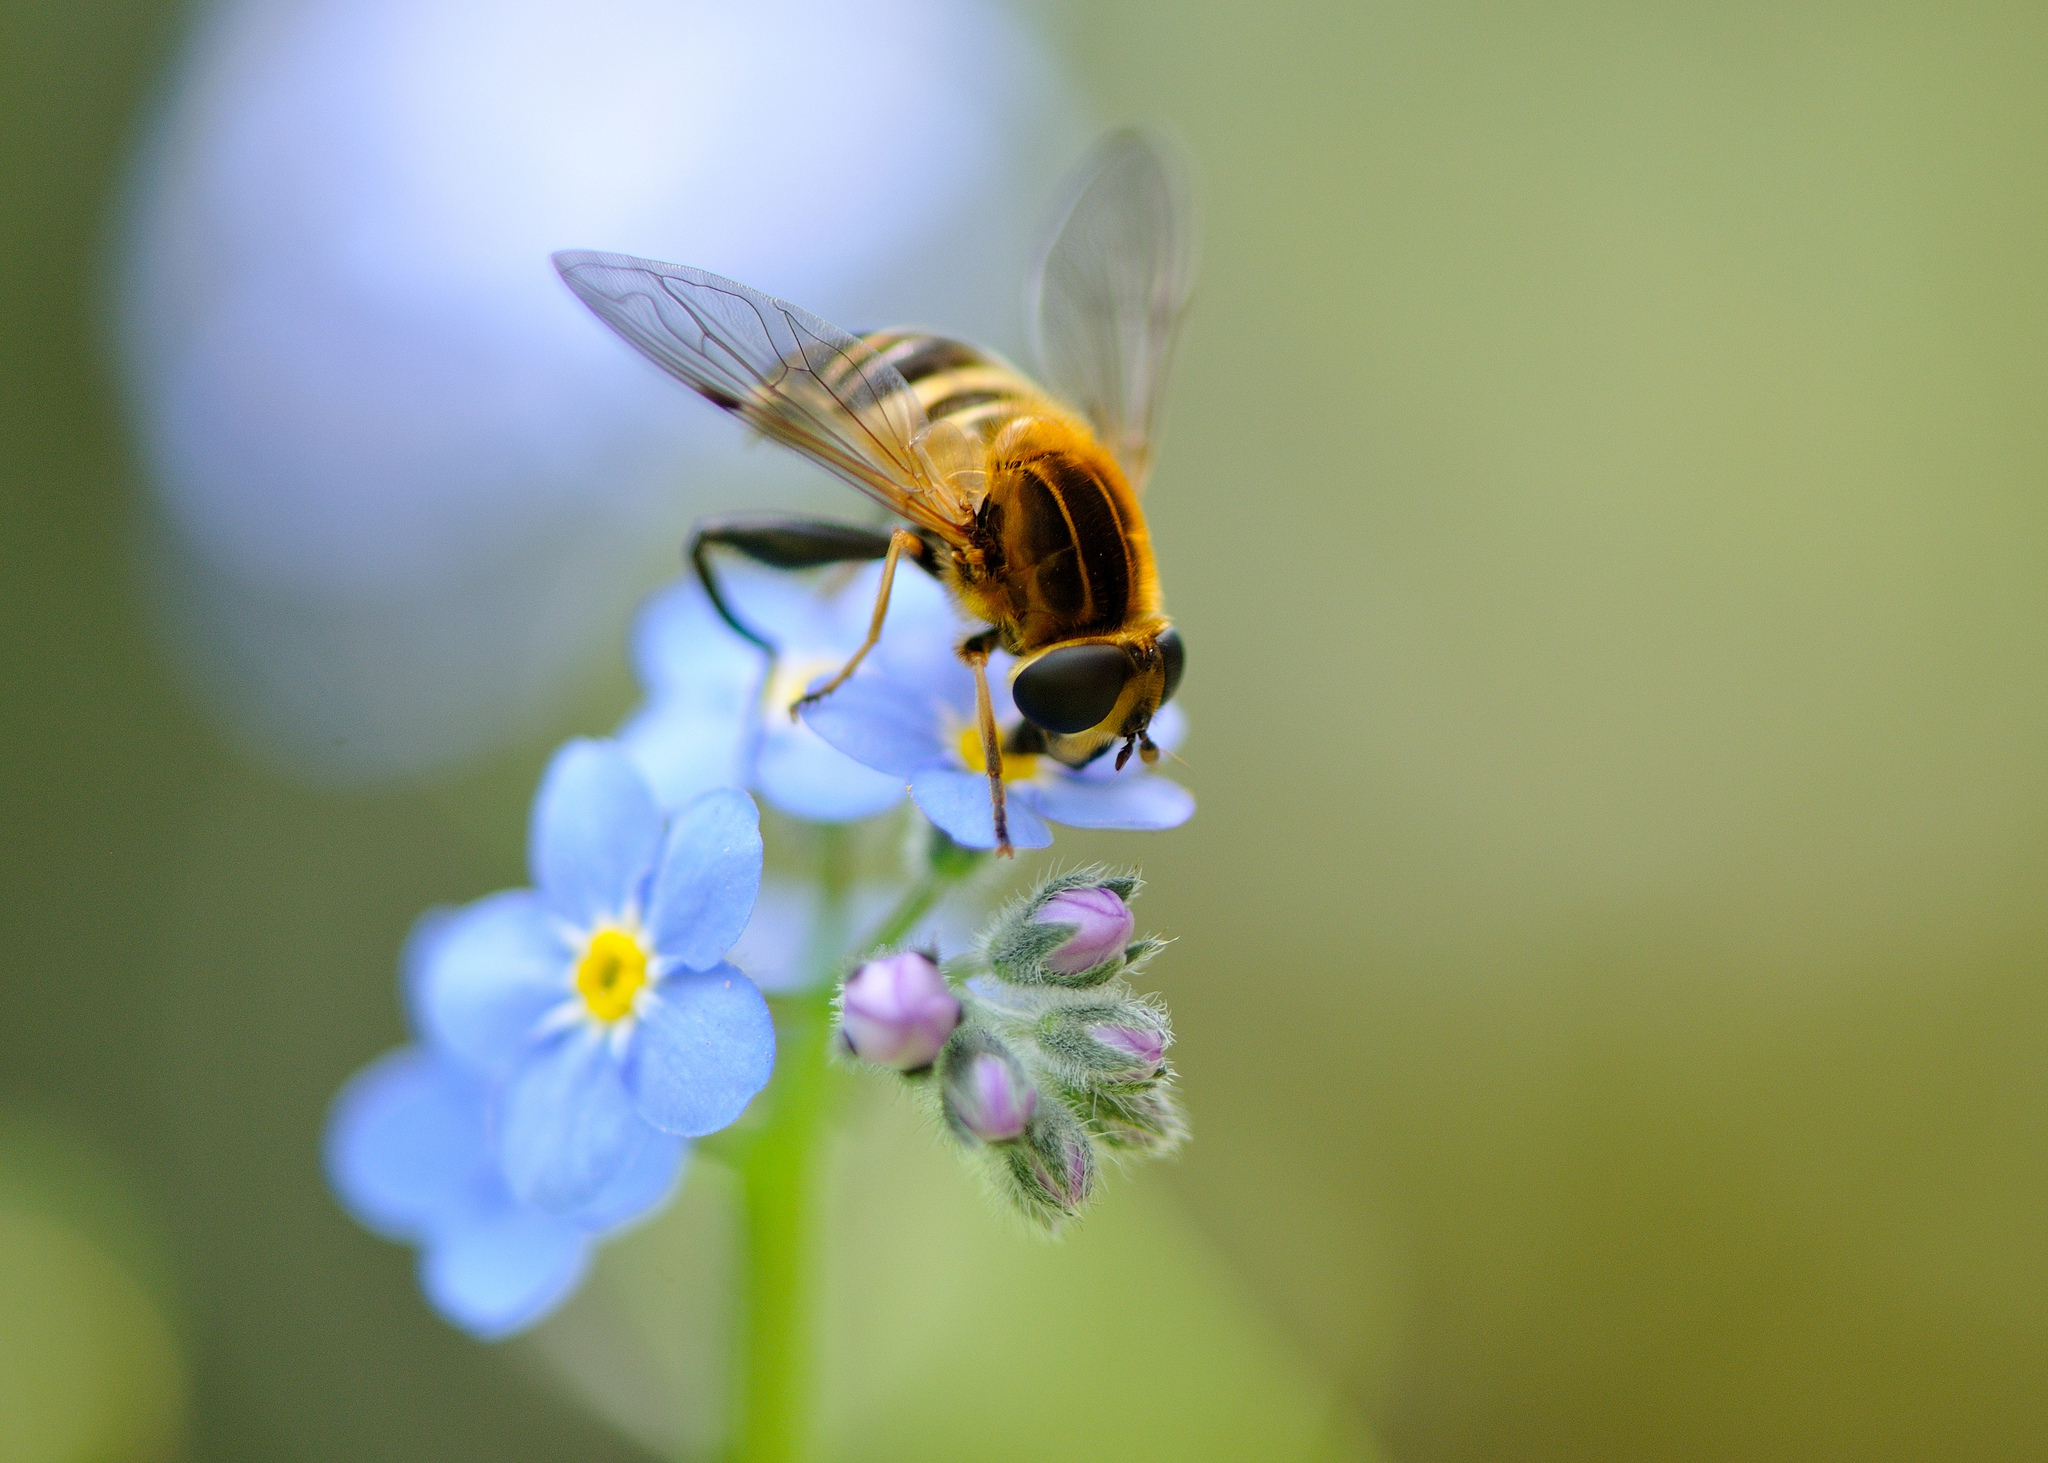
column 1145, row 1048
column 1103, row 926
column 898, row 1011
column 1070, row 1180
column 991, row 1100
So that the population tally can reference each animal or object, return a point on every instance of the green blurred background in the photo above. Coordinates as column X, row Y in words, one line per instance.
column 1604, row 493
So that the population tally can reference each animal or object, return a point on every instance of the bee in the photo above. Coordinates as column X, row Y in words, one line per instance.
column 1022, row 500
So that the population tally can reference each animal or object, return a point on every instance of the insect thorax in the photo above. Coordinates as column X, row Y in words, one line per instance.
column 1059, row 545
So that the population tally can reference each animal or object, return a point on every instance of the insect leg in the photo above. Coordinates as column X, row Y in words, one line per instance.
column 780, row 543
column 899, row 541
column 975, row 652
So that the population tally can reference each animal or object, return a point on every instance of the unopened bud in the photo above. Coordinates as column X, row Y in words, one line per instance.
column 987, row 1094
column 1102, row 928
column 1053, row 1172
column 1114, row 1041
column 898, row 1011
column 1065, row 1164
column 1146, row 1048
column 1145, row 1120
column 1075, row 931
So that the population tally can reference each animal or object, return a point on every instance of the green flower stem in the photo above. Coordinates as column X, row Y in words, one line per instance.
column 777, row 1183
column 916, row 903
column 778, row 1169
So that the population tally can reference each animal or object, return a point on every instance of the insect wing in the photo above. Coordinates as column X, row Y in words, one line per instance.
column 1106, row 298
column 791, row 375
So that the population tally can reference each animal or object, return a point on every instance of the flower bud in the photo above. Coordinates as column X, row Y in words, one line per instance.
column 1105, row 1041
column 1102, row 928
column 1053, row 1172
column 1145, row 1048
column 897, row 1011
column 1064, row 1164
column 987, row 1094
column 1075, row 931
column 1145, row 1120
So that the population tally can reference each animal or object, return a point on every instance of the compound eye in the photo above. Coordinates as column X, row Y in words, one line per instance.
column 1073, row 688
column 1176, row 655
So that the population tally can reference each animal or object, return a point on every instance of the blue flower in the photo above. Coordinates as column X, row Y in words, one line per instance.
column 598, row 1003
column 714, row 717
column 909, row 712
column 408, row 1150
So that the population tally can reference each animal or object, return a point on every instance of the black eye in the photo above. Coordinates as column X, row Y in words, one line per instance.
column 1176, row 661
column 1073, row 688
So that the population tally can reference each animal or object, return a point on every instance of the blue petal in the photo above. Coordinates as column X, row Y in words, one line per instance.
column 1001, row 669
column 503, row 1269
column 892, row 726
column 958, row 802
column 1136, row 800
column 416, row 960
column 918, row 647
column 404, row 1138
column 710, row 872
column 679, row 644
column 1170, row 727
column 684, row 747
column 595, row 832
column 703, row 1047
column 780, row 606
column 805, row 776
column 921, row 619
column 646, row 1183
column 772, row 948
column 483, row 976
column 565, row 1124
column 839, row 621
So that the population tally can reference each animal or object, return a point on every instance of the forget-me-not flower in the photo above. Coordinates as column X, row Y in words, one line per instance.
column 716, row 715
column 408, row 1150
column 909, row 712
column 598, row 1002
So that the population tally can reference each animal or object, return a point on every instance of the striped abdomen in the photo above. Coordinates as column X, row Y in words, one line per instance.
column 957, row 382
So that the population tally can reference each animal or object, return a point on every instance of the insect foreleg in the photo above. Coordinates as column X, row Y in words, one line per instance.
column 782, row 543
column 900, row 542
column 975, row 652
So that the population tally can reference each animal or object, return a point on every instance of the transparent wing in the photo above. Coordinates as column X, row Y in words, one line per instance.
column 1106, row 299
column 796, row 378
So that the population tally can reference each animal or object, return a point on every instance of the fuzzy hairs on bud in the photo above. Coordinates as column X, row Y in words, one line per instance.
column 1031, row 942
column 1119, row 1040
column 1051, row 1175
column 1047, row 1064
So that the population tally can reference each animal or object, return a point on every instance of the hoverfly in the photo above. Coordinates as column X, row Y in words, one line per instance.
column 1022, row 501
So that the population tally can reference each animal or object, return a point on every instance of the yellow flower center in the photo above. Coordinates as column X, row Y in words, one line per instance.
column 612, row 969
column 1016, row 765
column 791, row 681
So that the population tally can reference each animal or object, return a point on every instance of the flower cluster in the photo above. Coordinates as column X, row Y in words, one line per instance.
column 571, row 1037
column 1037, row 1054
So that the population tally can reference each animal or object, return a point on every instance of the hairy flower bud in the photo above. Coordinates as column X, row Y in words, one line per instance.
column 1145, row 1048
column 898, row 1011
column 1146, row 1120
column 1102, row 928
column 987, row 1097
column 1073, row 931
column 1053, row 1172
column 1105, row 1041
